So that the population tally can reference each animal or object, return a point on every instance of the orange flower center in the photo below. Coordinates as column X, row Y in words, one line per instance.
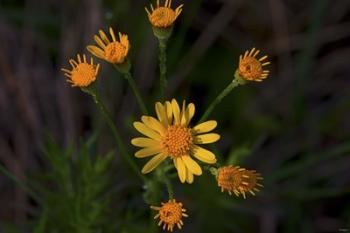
column 250, row 68
column 229, row 178
column 238, row 180
column 115, row 52
column 170, row 213
column 177, row 140
column 163, row 17
column 83, row 75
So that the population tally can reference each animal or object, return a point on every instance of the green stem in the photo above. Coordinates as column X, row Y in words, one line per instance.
column 129, row 78
column 219, row 98
column 162, row 66
column 169, row 188
column 162, row 177
column 136, row 92
column 92, row 91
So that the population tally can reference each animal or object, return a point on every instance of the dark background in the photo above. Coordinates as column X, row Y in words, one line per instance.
column 294, row 127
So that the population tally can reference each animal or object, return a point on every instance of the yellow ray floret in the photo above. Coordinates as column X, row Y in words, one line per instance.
column 170, row 214
column 82, row 73
column 170, row 136
column 163, row 16
column 251, row 68
column 238, row 180
column 113, row 51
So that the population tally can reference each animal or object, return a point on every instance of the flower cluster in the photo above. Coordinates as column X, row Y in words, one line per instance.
column 170, row 138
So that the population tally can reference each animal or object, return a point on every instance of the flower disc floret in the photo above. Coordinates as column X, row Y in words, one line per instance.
column 113, row 51
column 82, row 73
column 163, row 16
column 251, row 68
column 170, row 214
column 177, row 140
column 238, row 180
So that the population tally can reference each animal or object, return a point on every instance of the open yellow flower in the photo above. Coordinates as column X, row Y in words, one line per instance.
column 238, row 180
column 163, row 16
column 170, row 214
column 171, row 136
column 82, row 73
column 113, row 51
column 251, row 68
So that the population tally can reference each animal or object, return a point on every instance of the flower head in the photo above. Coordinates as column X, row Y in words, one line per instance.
column 170, row 136
column 238, row 180
column 113, row 51
column 82, row 73
column 170, row 214
column 251, row 68
column 163, row 16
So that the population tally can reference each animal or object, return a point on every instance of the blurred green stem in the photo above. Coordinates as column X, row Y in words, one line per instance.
column 93, row 92
column 309, row 160
column 130, row 79
column 219, row 98
column 19, row 183
column 162, row 66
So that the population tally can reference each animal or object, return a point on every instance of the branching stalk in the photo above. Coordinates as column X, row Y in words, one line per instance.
column 92, row 91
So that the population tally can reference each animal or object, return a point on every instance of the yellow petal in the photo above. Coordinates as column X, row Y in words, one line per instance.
column 96, row 51
column 161, row 114
column 144, row 142
column 204, row 127
column 192, row 165
column 111, row 32
column 104, row 37
column 145, row 130
column 203, row 155
column 206, row 138
column 99, row 42
column 189, row 177
column 153, row 123
column 181, row 169
column 182, row 114
column 176, row 111
column 148, row 151
column 125, row 42
column 153, row 163
column 189, row 113
column 169, row 111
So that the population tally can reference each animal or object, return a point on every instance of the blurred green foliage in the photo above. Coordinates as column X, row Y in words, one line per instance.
column 74, row 191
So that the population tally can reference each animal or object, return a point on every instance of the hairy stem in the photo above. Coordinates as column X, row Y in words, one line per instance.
column 136, row 91
column 219, row 98
column 162, row 66
column 169, row 188
column 115, row 133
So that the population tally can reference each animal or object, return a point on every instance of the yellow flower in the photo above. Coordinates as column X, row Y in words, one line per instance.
column 170, row 214
column 171, row 136
column 238, row 180
column 163, row 16
column 82, row 73
column 251, row 68
column 112, row 51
